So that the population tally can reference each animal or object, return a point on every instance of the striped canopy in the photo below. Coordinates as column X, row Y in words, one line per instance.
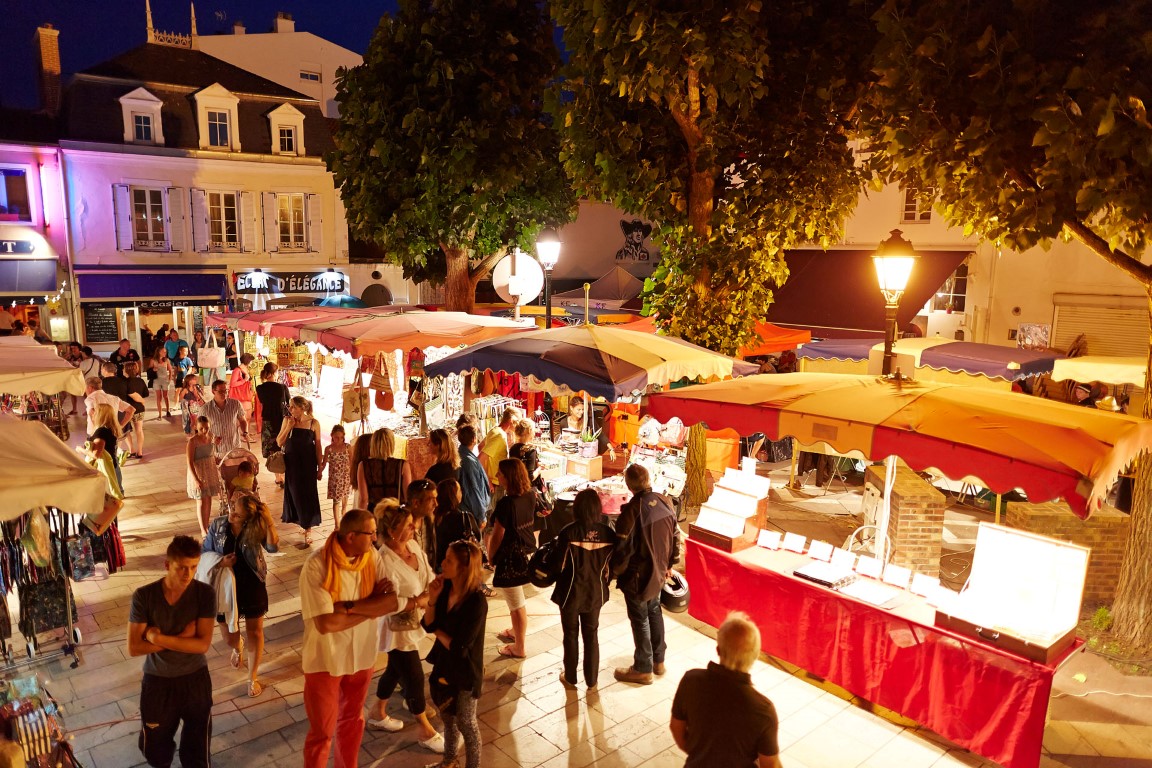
column 1008, row 440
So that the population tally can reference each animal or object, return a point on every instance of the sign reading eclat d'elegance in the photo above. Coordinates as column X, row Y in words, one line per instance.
column 291, row 282
column 17, row 246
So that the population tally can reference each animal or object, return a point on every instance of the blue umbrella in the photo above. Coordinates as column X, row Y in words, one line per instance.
column 342, row 300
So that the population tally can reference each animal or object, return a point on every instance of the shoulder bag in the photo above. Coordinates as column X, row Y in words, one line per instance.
column 210, row 355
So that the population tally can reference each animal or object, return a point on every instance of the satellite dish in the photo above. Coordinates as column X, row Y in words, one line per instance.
column 522, row 287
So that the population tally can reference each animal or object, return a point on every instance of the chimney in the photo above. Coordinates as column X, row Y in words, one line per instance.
column 284, row 22
column 238, row 28
column 48, row 67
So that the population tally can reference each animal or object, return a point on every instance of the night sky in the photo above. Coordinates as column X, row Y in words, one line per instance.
column 92, row 31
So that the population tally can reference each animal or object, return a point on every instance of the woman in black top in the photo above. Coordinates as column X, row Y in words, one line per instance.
column 511, row 543
column 453, row 523
column 273, row 397
column 447, row 457
column 137, row 391
column 581, row 555
column 230, row 354
column 525, row 430
column 456, row 615
column 382, row 475
column 105, row 434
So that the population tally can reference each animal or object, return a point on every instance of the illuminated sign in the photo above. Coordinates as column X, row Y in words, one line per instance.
column 291, row 282
column 17, row 246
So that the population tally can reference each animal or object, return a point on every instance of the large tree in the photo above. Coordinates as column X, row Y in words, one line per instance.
column 444, row 156
column 1026, row 119
column 724, row 124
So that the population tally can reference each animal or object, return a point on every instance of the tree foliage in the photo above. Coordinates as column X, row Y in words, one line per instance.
column 444, row 156
column 1027, row 119
column 723, row 123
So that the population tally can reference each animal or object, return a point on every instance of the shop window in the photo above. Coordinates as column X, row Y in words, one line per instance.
column 218, row 129
column 950, row 297
column 917, row 205
column 287, row 140
column 290, row 222
column 148, row 221
column 15, row 199
column 223, row 222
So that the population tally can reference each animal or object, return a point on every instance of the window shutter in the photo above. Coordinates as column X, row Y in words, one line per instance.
column 248, row 222
column 315, row 222
column 199, row 220
column 122, row 211
column 271, row 225
column 177, row 220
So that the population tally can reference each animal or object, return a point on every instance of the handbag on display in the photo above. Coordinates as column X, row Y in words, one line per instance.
column 80, row 558
column 380, row 380
column 210, row 355
column 43, row 605
column 416, row 396
column 275, row 463
column 355, row 404
column 385, row 401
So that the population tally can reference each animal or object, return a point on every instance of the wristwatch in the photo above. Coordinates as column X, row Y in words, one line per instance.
column 348, row 605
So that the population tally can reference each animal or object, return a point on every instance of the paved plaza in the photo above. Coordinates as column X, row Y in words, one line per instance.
column 526, row 717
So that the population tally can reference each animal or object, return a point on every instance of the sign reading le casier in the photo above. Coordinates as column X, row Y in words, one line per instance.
column 290, row 282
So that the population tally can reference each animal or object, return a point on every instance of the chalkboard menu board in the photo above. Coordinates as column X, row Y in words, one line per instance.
column 100, row 325
column 198, row 318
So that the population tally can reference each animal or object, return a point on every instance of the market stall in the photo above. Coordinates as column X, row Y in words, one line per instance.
column 854, row 636
column 589, row 362
column 770, row 339
column 34, row 380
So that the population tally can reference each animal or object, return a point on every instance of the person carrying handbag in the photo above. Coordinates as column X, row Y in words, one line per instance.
column 510, row 547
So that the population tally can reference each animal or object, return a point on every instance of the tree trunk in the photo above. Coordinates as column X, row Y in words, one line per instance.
column 459, row 288
column 1132, row 607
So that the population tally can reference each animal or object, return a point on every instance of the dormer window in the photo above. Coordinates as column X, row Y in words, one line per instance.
column 286, row 128
column 218, row 129
column 287, row 140
column 142, row 127
column 141, row 112
column 216, row 121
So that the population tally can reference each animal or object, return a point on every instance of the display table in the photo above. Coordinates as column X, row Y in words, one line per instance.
column 988, row 701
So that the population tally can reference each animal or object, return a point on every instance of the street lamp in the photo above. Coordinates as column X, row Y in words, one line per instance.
column 548, row 252
column 893, row 259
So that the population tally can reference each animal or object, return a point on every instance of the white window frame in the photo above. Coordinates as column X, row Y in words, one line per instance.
column 142, row 122
column 217, row 98
column 216, row 200
column 142, row 102
column 309, row 76
column 161, row 213
column 283, row 117
column 34, row 216
column 295, row 237
column 219, row 122
column 285, row 132
column 917, row 206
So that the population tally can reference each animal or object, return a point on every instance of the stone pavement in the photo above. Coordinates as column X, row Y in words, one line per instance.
column 527, row 717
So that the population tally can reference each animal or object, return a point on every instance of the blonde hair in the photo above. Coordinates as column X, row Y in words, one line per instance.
column 446, row 452
column 301, row 402
column 104, row 415
column 525, row 430
column 471, row 563
column 383, row 444
column 384, row 510
column 257, row 526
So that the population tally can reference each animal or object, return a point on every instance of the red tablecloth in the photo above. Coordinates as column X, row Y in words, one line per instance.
column 986, row 700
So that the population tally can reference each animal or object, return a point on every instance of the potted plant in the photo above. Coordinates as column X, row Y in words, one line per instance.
column 589, row 444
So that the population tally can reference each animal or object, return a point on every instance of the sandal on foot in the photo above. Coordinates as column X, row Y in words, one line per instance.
column 255, row 689
column 506, row 636
column 508, row 653
column 237, row 658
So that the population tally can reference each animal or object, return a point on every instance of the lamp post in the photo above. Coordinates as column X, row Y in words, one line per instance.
column 548, row 252
column 893, row 259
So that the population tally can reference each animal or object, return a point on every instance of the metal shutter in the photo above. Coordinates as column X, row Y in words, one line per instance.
column 1109, row 330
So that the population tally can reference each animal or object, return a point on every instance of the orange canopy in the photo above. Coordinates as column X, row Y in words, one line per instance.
column 773, row 338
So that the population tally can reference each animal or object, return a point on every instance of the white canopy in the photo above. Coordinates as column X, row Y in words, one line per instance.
column 26, row 366
column 39, row 469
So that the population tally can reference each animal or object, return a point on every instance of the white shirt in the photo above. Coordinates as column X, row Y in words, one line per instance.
column 99, row 397
column 409, row 582
column 338, row 653
column 6, row 319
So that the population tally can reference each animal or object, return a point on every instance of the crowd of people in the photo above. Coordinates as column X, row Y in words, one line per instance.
column 407, row 562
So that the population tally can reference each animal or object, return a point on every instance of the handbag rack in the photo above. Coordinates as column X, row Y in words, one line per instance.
column 18, row 563
column 488, row 410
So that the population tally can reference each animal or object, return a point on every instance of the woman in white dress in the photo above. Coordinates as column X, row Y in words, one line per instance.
column 401, row 633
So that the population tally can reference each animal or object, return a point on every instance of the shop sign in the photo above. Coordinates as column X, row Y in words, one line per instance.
column 17, row 246
column 291, row 282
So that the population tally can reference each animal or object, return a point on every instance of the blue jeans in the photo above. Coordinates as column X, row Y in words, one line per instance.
column 647, row 631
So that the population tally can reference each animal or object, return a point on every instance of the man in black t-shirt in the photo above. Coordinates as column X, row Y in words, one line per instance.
column 718, row 718
column 124, row 354
column 171, row 624
column 114, row 383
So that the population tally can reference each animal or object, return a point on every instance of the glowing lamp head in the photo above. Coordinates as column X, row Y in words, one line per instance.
column 894, row 259
column 548, row 248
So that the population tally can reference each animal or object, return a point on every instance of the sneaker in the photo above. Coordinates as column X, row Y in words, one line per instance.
column 630, row 675
column 386, row 723
column 658, row 669
column 434, row 744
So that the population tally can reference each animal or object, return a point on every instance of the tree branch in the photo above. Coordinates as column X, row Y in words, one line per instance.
column 485, row 265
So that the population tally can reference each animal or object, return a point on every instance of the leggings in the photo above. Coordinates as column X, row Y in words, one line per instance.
column 403, row 668
column 463, row 722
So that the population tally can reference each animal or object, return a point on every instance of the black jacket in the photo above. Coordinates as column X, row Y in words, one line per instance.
column 459, row 667
column 649, row 544
column 582, row 555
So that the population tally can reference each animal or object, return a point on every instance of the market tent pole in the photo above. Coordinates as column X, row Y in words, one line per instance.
column 881, row 551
